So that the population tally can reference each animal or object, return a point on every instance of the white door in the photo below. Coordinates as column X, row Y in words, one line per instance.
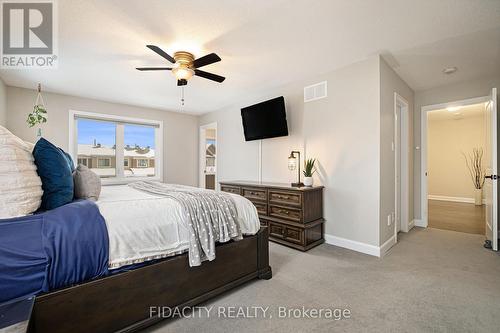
column 398, row 168
column 490, row 185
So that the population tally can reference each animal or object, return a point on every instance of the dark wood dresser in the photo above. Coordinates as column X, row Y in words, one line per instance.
column 294, row 215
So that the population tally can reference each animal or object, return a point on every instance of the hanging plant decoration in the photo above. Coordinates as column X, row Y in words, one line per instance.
column 39, row 114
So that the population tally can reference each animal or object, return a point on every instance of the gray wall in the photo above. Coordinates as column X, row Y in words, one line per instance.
column 180, row 131
column 342, row 131
column 449, row 93
column 3, row 104
column 390, row 83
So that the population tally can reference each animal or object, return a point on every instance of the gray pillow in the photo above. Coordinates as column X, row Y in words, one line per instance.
column 87, row 183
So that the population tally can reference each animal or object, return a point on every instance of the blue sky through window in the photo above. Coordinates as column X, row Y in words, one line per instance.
column 105, row 133
column 142, row 136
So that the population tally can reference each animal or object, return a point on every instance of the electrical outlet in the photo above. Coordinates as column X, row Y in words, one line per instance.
column 389, row 220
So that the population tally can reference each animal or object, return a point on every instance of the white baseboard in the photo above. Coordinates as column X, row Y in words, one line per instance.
column 411, row 224
column 419, row 223
column 387, row 245
column 372, row 250
column 452, row 199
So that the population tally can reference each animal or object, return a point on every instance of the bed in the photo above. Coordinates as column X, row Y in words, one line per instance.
column 99, row 267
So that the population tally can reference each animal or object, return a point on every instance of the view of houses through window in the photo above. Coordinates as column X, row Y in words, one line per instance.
column 97, row 144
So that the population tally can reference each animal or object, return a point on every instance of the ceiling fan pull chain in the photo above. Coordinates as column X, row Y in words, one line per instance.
column 182, row 95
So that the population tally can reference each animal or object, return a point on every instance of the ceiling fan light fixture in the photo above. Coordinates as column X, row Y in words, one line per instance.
column 182, row 73
column 183, row 65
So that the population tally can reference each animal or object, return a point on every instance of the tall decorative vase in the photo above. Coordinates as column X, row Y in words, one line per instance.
column 478, row 196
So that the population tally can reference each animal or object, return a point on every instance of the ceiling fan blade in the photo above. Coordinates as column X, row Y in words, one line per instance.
column 161, row 53
column 206, row 60
column 182, row 82
column 154, row 68
column 210, row 76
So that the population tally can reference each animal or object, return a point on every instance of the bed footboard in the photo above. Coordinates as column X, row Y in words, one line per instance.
column 122, row 302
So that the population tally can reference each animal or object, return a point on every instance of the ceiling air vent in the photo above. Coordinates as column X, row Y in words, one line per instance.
column 315, row 91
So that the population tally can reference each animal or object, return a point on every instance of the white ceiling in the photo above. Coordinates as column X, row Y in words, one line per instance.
column 263, row 44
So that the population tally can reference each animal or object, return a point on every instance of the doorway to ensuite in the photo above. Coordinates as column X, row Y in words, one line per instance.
column 208, row 156
column 459, row 162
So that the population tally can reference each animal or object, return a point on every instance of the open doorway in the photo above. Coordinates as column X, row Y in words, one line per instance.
column 457, row 151
column 208, row 156
column 459, row 166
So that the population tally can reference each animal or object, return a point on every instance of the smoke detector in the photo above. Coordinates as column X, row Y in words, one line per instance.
column 449, row 70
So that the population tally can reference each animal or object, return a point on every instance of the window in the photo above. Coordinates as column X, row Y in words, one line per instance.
column 82, row 161
column 117, row 148
column 96, row 143
column 103, row 162
column 142, row 163
column 140, row 147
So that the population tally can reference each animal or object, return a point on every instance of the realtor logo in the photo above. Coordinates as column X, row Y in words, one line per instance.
column 28, row 34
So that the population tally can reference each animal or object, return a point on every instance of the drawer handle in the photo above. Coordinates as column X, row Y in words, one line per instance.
column 283, row 197
column 282, row 211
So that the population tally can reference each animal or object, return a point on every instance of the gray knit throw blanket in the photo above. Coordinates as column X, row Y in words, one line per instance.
column 210, row 215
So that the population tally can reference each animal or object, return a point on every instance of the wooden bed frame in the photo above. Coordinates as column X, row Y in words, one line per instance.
column 121, row 302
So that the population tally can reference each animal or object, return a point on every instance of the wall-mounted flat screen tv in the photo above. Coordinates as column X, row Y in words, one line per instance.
column 265, row 120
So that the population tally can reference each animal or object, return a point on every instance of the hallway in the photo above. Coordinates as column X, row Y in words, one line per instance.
column 457, row 216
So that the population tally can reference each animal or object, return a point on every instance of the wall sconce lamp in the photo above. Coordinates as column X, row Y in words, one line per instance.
column 292, row 165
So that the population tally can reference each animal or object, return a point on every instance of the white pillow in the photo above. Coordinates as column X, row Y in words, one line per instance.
column 20, row 187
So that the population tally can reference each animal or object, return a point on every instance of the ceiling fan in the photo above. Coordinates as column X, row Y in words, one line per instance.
column 185, row 65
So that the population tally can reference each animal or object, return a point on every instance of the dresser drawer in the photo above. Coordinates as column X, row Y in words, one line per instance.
column 261, row 207
column 291, row 214
column 276, row 230
column 263, row 223
column 295, row 235
column 254, row 193
column 230, row 189
column 285, row 198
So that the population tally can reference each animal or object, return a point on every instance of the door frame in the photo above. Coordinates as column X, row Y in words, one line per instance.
column 202, row 156
column 424, row 214
column 404, row 157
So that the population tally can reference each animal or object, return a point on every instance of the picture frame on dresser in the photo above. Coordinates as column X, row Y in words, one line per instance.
column 293, row 215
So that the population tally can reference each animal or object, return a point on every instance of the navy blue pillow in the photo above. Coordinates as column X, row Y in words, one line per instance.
column 55, row 171
column 69, row 159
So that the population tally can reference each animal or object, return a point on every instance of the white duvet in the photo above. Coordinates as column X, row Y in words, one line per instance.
column 143, row 226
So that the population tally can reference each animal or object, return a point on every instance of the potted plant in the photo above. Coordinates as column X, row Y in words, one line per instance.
column 309, row 170
column 474, row 162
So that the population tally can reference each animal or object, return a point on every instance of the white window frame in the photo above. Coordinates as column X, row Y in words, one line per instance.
column 120, row 178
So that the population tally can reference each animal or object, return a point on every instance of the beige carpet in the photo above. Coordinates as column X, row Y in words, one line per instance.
column 431, row 281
